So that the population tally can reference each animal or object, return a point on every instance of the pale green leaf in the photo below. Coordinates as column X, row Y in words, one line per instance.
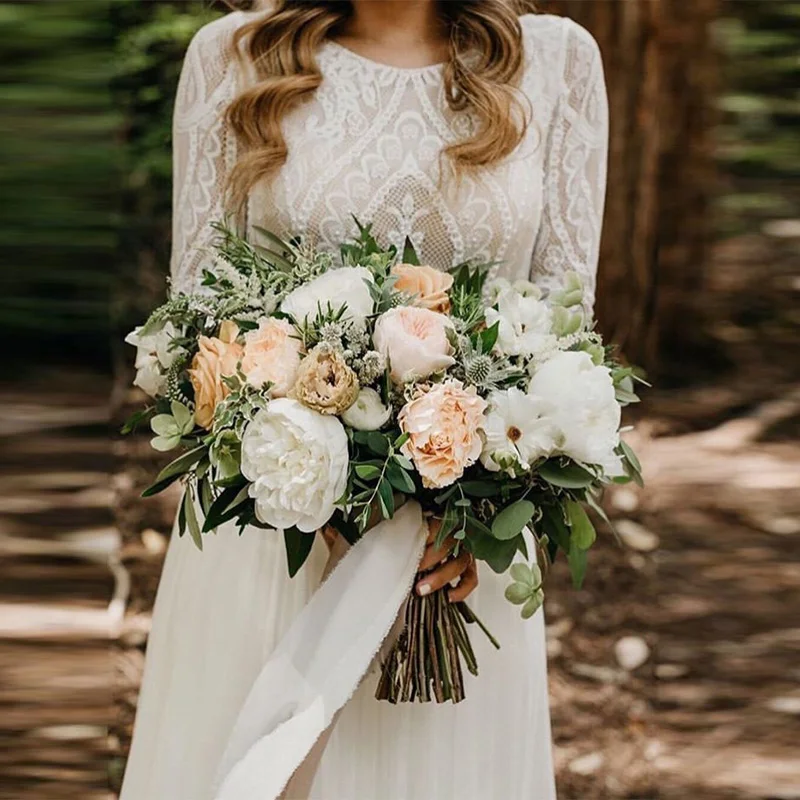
column 509, row 523
column 517, row 593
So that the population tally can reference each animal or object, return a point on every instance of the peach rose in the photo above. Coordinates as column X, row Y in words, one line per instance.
column 443, row 426
column 214, row 360
column 414, row 341
column 272, row 355
column 428, row 285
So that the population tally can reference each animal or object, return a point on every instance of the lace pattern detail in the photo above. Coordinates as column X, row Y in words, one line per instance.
column 369, row 143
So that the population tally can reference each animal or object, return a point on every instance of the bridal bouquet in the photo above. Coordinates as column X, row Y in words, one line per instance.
column 303, row 389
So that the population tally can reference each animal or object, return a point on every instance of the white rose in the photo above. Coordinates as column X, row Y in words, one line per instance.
column 583, row 406
column 348, row 286
column 297, row 461
column 153, row 357
column 526, row 323
column 414, row 341
column 517, row 429
column 368, row 413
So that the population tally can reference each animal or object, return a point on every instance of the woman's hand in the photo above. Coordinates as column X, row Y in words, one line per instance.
column 462, row 567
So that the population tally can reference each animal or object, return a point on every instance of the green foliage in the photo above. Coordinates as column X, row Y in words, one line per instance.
column 759, row 147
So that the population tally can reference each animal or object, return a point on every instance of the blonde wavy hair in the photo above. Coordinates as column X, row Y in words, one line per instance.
column 279, row 50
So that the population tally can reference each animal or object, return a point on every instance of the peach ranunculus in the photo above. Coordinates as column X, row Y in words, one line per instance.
column 414, row 341
column 429, row 286
column 272, row 355
column 214, row 360
column 443, row 426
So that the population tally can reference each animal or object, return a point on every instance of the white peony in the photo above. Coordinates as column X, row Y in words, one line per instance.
column 348, row 286
column 297, row 461
column 518, row 429
column 153, row 357
column 583, row 407
column 368, row 413
column 526, row 323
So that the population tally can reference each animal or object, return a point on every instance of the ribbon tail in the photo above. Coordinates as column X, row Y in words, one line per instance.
column 321, row 660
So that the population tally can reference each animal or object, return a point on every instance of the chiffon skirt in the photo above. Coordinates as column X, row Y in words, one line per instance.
column 219, row 616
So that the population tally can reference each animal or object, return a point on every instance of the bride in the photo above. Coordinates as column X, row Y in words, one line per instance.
column 477, row 133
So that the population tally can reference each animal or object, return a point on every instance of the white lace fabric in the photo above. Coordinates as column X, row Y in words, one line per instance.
column 368, row 144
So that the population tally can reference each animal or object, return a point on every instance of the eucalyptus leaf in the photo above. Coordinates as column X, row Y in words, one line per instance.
column 386, row 498
column 479, row 488
column 631, row 457
column 378, row 443
column 566, row 476
column 582, row 533
column 399, row 478
column 554, row 526
column 577, row 560
column 367, row 472
column 496, row 553
column 509, row 523
column 402, row 461
column 192, row 524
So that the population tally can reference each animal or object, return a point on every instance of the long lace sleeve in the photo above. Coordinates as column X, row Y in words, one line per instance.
column 204, row 149
column 575, row 170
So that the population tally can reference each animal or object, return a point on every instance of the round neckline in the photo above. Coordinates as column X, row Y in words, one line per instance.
column 381, row 66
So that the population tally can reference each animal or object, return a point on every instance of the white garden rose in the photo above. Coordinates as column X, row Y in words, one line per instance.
column 153, row 357
column 368, row 413
column 518, row 429
column 525, row 323
column 348, row 286
column 583, row 406
column 297, row 461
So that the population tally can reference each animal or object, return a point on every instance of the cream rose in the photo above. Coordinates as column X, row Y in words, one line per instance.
column 443, row 426
column 429, row 286
column 368, row 413
column 214, row 360
column 325, row 382
column 272, row 356
column 347, row 286
column 297, row 462
column 414, row 340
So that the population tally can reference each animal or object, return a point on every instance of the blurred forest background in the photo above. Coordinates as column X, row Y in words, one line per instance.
column 674, row 672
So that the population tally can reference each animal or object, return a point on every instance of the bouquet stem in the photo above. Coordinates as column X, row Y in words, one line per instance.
column 426, row 660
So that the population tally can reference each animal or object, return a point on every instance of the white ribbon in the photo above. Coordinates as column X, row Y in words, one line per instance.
column 321, row 660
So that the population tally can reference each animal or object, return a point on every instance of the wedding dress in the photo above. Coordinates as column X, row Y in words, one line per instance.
column 219, row 693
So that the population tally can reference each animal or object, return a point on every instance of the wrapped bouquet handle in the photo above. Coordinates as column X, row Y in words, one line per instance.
column 321, row 660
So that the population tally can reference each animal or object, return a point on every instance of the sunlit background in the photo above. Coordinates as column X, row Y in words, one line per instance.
column 674, row 672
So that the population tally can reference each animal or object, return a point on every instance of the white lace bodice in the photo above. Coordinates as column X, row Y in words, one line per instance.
column 368, row 145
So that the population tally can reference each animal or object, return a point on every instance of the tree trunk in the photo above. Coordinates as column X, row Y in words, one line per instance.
column 661, row 71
